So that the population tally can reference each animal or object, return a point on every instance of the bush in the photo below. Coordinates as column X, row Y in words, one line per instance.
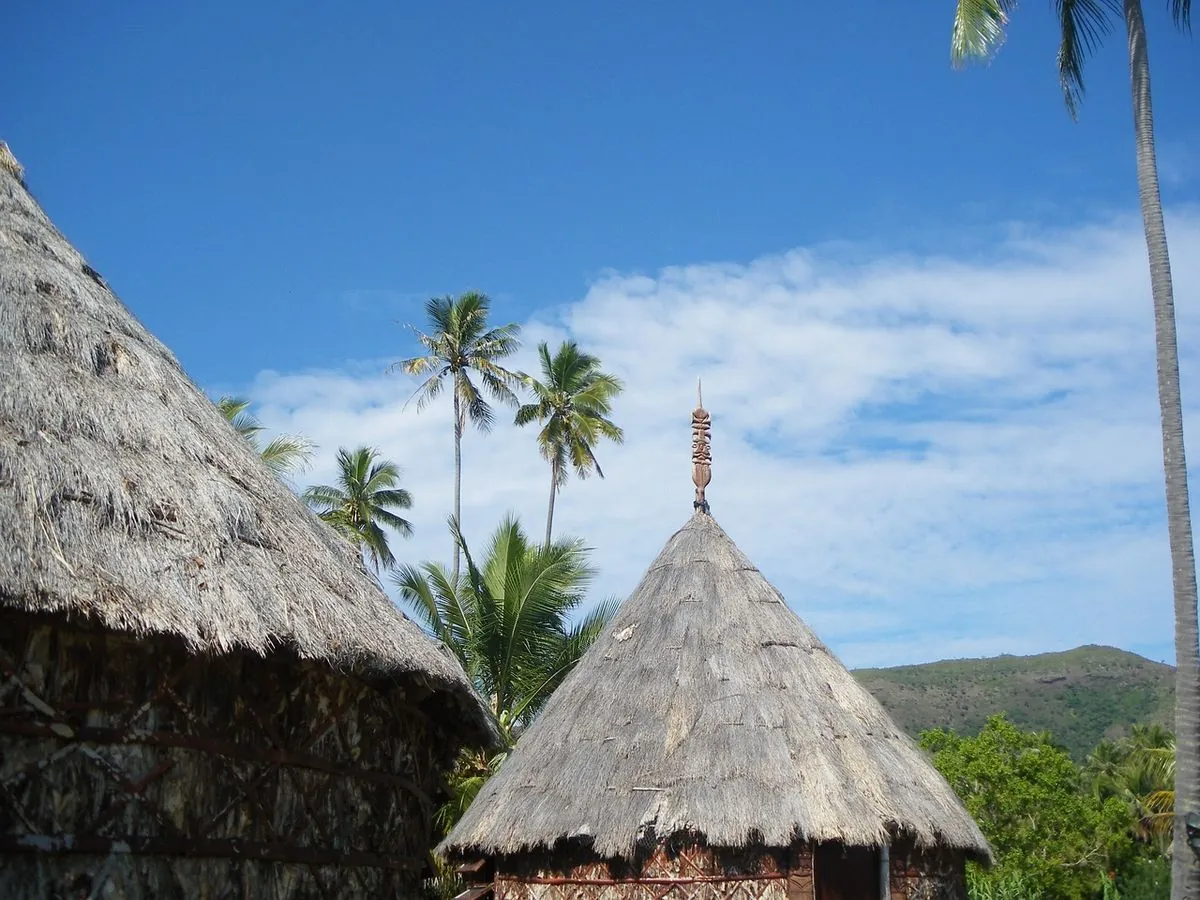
column 1001, row 886
column 1146, row 879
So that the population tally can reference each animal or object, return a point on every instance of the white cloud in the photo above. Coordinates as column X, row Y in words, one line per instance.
column 929, row 456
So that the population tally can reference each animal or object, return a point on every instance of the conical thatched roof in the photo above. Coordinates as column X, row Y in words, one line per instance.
column 126, row 497
column 709, row 707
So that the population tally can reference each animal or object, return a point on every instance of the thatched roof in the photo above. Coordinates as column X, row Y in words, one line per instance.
column 127, row 498
column 708, row 707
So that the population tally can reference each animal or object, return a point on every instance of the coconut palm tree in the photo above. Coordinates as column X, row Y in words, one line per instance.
column 572, row 402
column 459, row 344
column 1104, row 769
column 284, row 454
column 1159, row 803
column 978, row 30
column 362, row 503
column 508, row 622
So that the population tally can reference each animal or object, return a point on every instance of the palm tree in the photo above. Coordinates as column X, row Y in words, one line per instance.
column 507, row 621
column 1104, row 769
column 283, row 454
column 461, row 343
column 572, row 402
column 361, row 503
column 1159, row 803
column 978, row 30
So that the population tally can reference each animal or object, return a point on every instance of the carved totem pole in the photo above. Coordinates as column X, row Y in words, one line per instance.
column 701, row 450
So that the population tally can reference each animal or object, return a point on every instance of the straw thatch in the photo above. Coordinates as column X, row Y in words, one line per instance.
column 203, row 693
column 709, row 709
column 126, row 497
column 9, row 163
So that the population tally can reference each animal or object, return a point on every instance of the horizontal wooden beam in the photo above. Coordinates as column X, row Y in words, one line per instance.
column 97, row 735
column 649, row 879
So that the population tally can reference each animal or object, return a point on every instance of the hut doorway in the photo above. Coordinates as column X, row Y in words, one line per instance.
column 846, row 873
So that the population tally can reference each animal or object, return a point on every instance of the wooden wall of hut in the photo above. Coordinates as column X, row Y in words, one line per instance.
column 130, row 767
column 698, row 873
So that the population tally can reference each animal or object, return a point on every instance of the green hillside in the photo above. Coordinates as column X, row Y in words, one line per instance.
column 1079, row 696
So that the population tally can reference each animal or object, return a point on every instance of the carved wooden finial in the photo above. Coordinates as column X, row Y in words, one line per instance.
column 701, row 450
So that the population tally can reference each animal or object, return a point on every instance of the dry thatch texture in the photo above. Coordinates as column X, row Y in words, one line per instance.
column 126, row 497
column 9, row 163
column 130, row 767
column 710, row 707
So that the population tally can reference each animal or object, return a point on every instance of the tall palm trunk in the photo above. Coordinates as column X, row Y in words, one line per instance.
column 553, row 491
column 458, row 431
column 1185, row 866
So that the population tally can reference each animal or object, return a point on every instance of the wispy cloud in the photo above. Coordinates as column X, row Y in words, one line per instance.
column 930, row 456
column 1178, row 160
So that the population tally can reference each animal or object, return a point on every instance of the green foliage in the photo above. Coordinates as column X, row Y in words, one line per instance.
column 1009, row 885
column 461, row 343
column 572, row 402
column 445, row 884
column 362, row 503
column 1148, row 878
column 1081, row 696
column 980, row 25
column 283, row 454
column 508, row 622
column 1140, row 772
column 1025, row 793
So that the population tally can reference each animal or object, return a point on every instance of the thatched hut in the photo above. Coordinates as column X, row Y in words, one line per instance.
column 709, row 745
column 202, row 691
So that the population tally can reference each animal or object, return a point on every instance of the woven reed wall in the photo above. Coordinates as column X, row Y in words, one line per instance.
column 698, row 873
column 133, row 768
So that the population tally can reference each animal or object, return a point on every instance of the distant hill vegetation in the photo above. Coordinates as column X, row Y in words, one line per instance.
column 1079, row 696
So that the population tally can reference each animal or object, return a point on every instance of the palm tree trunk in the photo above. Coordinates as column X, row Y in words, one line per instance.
column 1185, row 865
column 458, row 430
column 550, row 509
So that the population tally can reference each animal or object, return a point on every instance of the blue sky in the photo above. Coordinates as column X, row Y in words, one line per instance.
column 274, row 187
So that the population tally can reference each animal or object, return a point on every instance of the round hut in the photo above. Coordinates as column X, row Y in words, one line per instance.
column 710, row 746
column 202, row 691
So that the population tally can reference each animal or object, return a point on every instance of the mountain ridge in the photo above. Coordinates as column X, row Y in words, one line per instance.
column 1080, row 696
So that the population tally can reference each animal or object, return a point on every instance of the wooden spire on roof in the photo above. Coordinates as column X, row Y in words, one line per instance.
column 701, row 449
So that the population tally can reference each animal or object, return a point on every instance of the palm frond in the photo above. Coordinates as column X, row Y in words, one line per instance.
column 978, row 29
column 391, row 520
column 324, row 496
column 418, row 365
column 236, row 413
column 376, row 543
column 287, row 453
column 427, row 391
column 382, row 475
column 1181, row 13
column 499, row 382
column 498, row 343
column 529, row 412
column 584, row 460
column 1083, row 24
column 342, row 526
column 474, row 408
column 439, row 311
column 393, row 498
